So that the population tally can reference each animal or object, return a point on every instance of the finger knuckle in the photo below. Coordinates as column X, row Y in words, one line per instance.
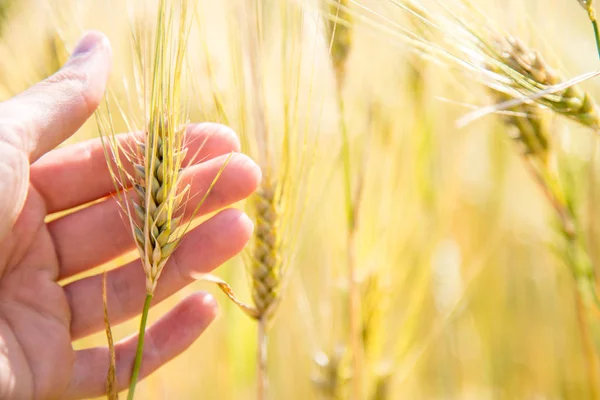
column 74, row 82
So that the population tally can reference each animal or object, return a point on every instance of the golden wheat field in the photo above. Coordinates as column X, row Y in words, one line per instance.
column 428, row 224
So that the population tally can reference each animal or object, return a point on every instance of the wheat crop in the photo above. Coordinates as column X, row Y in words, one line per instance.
column 426, row 226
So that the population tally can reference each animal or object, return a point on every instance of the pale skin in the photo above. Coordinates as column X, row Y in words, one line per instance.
column 39, row 316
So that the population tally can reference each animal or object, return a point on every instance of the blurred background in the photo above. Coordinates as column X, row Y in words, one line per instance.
column 463, row 293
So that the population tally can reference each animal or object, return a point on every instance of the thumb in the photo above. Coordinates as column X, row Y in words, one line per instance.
column 46, row 114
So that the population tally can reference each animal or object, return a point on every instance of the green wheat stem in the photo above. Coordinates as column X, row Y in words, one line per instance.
column 140, row 348
column 597, row 35
column 589, row 7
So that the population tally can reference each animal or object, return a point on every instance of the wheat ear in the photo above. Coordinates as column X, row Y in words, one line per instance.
column 529, row 72
column 264, row 260
column 266, row 268
column 154, row 209
column 157, row 175
column 535, row 141
column 274, row 205
column 266, row 263
column 470, row 43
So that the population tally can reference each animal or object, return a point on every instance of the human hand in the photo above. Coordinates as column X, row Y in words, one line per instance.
column 39, row 318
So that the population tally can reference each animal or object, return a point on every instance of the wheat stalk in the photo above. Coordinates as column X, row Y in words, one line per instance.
column 154, row 209
column 340, row 46
column 156, row 176
column 536, row 142
column 266, row 268
column 111, row 376
column 276, row 206
column 588, row 5
column 264, row 261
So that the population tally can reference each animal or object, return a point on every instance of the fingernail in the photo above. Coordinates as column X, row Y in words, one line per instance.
column 87, row 44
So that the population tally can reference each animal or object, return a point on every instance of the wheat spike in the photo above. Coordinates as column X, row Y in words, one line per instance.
column 266, row 264
column 154, row 209
column 529, row 71
column 501, row 62
column 532, row 133
column 158, row 199
column 531, row 128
